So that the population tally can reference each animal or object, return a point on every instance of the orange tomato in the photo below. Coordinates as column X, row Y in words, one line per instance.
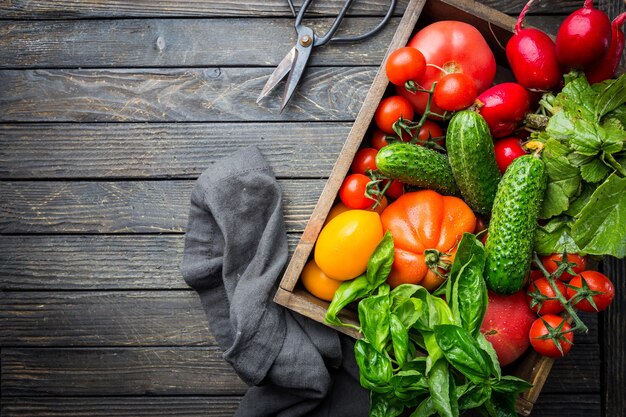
column 426, row 228
column 317, row 282
column 346, row 243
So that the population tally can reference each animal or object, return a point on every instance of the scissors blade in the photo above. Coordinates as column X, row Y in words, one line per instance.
column 295, row 74
column 279, row 73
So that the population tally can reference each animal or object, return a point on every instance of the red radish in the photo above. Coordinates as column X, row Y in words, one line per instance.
column 506, row 151
column 503, row 106
column 532, row 57
column 583, row 37
column 606, row 67
column 506, row 325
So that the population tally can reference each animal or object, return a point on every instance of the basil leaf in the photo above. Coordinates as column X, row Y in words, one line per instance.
column 399, row 339
column 383, row 406
column 402, row 293
column 425, row 409
column 375, row 368
column 409, row 386
column 474, row 397
column 463, row 352
column 379, row 264
column 511, row 385
column 599, row 229
column 347, row 292
column 487, row 347
column 439, row 385
column 611, row 97
column 502, row 405
column 374, row 320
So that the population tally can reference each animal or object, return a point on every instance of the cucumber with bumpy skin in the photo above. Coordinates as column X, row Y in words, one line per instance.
column 473, row 160
column 417, row 165
column 511, row 232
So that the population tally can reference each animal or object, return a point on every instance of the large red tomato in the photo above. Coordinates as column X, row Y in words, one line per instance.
column 455, row 47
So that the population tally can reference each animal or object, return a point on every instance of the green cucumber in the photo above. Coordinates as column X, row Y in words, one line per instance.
column 511, row 232
column 472, row 159
column 417, row 165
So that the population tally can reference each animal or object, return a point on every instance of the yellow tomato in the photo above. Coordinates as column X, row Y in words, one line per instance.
column 317, row 282
column 346, row 243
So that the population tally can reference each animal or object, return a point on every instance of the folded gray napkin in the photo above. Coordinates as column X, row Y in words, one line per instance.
column 235, row 252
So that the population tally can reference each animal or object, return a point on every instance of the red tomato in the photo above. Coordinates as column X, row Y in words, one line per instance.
column 390, row 110
column 352, row 192
column 364, row 161
column 550, row 262
column 456, row 47
column 430, row 130
column 542, row 288
column 535, row 274
column 405, row 64
column 548, row 346
column 379, row 139
column 455, row 91
column 506, row 151
column 395, row 190
column 599, row 284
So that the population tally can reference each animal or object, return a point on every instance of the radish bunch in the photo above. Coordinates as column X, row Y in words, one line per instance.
column 586, row 40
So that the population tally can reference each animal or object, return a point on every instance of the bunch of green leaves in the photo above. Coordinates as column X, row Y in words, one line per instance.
column 584, row 149
column 428, row 355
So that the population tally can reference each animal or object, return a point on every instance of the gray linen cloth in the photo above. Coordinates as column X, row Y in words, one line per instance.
column 235, row 252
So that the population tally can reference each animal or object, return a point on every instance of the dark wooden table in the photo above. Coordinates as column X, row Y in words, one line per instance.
column 109, row 111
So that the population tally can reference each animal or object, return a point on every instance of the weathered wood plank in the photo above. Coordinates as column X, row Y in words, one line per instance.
column 614, row 335
column 179, row 43
column 159, row 150
column 97, row 372
column 121, row 318
column 123, row 206
column 189, row 371
column 223, row 406
column 177, row 95
column 94, row 262
column 67, row 9
column 157, row 318
column 549, row 405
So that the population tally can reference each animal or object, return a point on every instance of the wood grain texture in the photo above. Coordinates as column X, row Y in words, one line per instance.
column 94, row 262
column 159, row 150
column 179, row 43
column 98, row 372
column 67, row 9
column 614, row 334
column 223, row 406
column 549, row 405
column 187, row 371
column 123, row 206
column 177, row 95
column 155, row 318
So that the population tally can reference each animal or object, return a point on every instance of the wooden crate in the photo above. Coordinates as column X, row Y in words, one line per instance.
column 496, row 28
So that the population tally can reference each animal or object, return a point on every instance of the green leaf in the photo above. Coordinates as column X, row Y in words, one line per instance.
column 375, row 369
column 577, row 95
column 474, row 397
column 425, row 409
column 463, row 352
column 374, row 320
column 586, row 137
column 379, row 264
column 347, row 292
column 580, row 200
column 511, row 385
column 383, row 406
column 399, row 339
column 487, row 347
column 601, row 225
column 611, row 97
column 503, row 404
column 409, row 385
column 555, row 237
column 594, row 171
column 439, row 384
column 563, row 179
column 410, row 311
column 619, row 115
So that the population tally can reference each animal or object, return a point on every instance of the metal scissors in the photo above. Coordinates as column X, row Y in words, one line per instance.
column 296, row 59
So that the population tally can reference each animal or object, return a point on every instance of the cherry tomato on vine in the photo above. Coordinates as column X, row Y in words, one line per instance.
column 551, row 263
column 430, row 130
column 390, row 110
column 455, row 91
column 542, row 288
column 395, row 190
column 364, row 161
column 379, row 139
column 405, row 64
column 535, row 274
column 506, row 151
column 548, row 346
column 352, row 192
column 595, row 282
